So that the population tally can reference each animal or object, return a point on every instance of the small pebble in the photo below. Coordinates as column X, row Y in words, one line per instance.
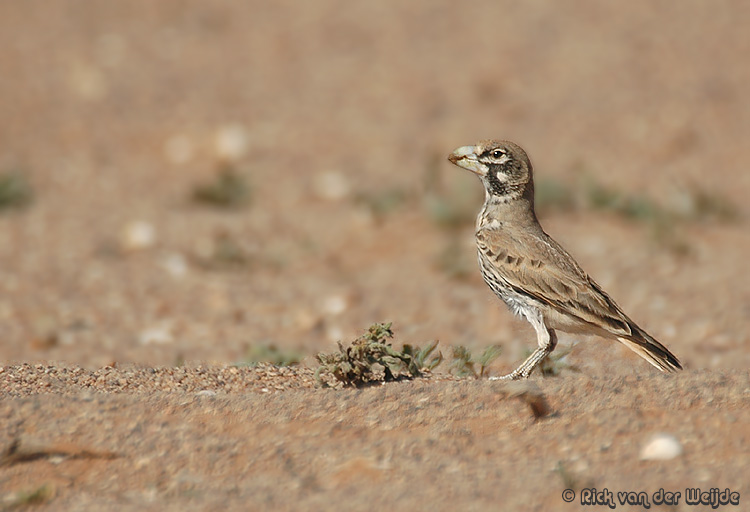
column 231, row 142
column 335, row 304
column 137, row 235
column 332, row 186
column 306, row 320
column 661, row 447
column 175, row 264
column 158, row 335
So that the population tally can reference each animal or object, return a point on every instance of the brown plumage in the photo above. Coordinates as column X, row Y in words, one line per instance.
column 531, row 272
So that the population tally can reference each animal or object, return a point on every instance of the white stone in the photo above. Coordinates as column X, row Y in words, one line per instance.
column 231, row 142
column 661, row 447
column 157, row 335
column 138, row 235
column 335, row 304
column 331, row 185
column 175, row 264
column 305, row 320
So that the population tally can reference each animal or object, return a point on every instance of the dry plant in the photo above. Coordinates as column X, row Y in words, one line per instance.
column 371, row 358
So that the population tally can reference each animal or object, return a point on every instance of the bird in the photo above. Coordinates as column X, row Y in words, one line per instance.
column 534, row 275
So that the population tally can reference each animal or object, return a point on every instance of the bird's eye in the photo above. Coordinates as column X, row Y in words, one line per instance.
column 497, row 153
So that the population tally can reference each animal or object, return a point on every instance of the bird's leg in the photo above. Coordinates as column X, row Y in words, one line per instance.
column 547, row 340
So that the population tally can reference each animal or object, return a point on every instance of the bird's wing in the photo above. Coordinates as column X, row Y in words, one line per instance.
column 540, row 268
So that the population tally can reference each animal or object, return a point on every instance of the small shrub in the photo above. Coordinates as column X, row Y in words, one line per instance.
column 371, row 358
column 229, row 190
column 15, row 190
column 272, row 354
column 553, row 195
column 382, row 203
column 571, row 480
column 227, row 253
column 31, row 498
column 423, row 358
column 464, row 364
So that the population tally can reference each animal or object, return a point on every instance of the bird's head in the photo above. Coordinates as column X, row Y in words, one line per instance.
column 503, row 167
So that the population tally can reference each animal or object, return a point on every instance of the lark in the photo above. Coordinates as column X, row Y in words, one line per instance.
column 532, row 273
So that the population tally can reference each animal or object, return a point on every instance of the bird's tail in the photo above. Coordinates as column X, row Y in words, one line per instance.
column 651, row 350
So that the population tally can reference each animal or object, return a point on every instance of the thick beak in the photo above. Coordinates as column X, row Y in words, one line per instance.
column 466, row 157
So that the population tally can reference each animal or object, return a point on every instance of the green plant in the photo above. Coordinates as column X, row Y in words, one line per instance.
column 600, row 197
column 227, row 253
column 229, row 190
column 551, row 194
column 705, row 205
column 271, row 353
column 488, row 356
column 464, row 364
column 15, row 190
column 371, row 358
column 382, row 203
column 29, row 498
column 448, row 213
column 423, row 358
column 571, row 480
column 663, row 221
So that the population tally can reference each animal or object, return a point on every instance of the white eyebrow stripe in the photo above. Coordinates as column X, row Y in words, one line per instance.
column 500, row 160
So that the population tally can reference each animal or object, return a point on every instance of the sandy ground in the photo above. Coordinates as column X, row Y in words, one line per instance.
column 129, row 309
column 210, row 439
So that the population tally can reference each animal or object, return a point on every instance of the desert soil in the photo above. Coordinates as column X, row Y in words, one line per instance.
column 130, row 311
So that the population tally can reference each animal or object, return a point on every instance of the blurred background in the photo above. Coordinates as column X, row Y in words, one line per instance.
column 233, row 181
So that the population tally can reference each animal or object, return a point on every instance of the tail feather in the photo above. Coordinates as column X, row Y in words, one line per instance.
column 651, row 350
